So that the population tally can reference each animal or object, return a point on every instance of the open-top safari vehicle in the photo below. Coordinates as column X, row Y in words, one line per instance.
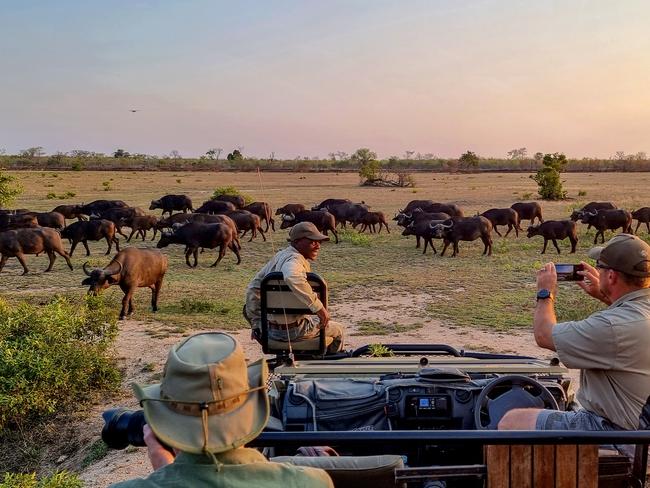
column 427, row 413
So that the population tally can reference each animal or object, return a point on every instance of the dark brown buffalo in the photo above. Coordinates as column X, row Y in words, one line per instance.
column 91, row 230
column 201, row 218
column 346, row 212
column 54, row 220
column 98, row 206
column 643, row 217
column 552, row 230
column 322, row 219
column 177, row 218
column 216, row 207
column 70, row 211
column 528, row 211
column 237, row 200
column 290, row 208
column 141, row 224
column 331, row 202
column 17, row 243
column 503, row 216
column 169, row 203
column 369, row 220
column 247, row 221
column 423, row 229
column 591, row 207
column 17, row 221
column 120, row 216
column 264, row 212
column 195, row 236
column 131, row 268
column 430, row 206
column 464, row 229
column 604, row 220
column 405, row 219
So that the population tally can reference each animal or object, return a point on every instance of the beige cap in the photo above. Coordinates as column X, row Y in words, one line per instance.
column 625, row 253
column 308, row 230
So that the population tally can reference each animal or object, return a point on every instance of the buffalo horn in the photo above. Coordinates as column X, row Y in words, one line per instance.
column 85, row 269
column 119, row 270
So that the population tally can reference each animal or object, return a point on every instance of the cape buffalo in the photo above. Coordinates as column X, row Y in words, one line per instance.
column 553, row 230
column 215, row 206
column 195, row 236
column 131, row 268
column 290, row 208
column 464, row 229
column 17, row 243
column 503, row 216
column 263, row 211
column 528, row 211
column 169, row 203
column 604, row 220
column 91, row 230
column 643, row 216
column 237, row 200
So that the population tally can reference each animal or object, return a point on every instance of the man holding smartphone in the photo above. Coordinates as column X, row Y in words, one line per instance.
column 610, row 347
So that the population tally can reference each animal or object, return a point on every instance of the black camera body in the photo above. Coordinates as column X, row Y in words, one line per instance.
column 123, row 427
column 569, row 272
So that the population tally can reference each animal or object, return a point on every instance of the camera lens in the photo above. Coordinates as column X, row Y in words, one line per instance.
column 123, row 427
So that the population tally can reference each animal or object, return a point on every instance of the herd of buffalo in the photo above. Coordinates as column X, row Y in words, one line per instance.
column 222, row 221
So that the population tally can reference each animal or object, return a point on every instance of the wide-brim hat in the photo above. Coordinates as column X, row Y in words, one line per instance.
column 209, row 400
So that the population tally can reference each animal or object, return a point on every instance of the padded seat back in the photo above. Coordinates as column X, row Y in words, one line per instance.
column 353, row 471
column 277, row 298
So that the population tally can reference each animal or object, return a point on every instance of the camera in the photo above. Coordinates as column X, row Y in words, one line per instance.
column 569, row 272
column 123, row 427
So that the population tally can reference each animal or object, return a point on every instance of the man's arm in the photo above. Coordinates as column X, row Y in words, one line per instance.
column 544, row 318
column 591, row 283
column 159, row 456
column 295, row 277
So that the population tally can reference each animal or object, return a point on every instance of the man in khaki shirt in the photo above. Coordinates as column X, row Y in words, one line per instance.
column 293, row 263
column 610, row 347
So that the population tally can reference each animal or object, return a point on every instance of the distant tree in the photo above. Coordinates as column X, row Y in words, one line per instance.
column 3, row 151
column 468, row 161
column 8, row 189
column 174, row 154
column 408, row 154
column 214, row 153
column 342, row 155
column 121, row 153
column 518, row 153
column 548, row 177
column 236, row 155
column 620, row 155
column 538, row 157
column 80, row 153
column 640, row 156
column 32, row 152
column 272, row 157
column 369, row 166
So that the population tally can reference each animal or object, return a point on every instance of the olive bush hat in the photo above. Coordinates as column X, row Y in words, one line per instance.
column 625, row 253
column 209, row 401
column 308, row 230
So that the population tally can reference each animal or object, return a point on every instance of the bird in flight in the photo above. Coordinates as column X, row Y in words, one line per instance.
column 134, row 110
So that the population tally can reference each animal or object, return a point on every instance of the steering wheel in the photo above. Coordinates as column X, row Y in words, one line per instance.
column 508, row 392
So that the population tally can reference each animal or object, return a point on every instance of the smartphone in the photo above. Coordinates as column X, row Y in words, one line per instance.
column 569, row 272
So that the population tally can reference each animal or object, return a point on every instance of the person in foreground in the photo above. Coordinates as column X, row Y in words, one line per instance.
column 293, row 262
column 610, row 347
column 208, row 405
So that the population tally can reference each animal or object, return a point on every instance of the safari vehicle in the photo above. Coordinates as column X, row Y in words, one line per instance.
column 425, row 413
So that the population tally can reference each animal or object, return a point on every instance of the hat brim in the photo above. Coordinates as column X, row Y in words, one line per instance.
column 226, row 431
column 594, row 252
column 318, row 237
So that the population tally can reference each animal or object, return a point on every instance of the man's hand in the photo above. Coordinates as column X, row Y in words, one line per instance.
column 591, row 283
column 547, row 278
column 323, row 317
column 158, row 455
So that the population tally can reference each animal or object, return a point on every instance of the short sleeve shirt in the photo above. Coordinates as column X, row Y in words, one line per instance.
column 612, row 349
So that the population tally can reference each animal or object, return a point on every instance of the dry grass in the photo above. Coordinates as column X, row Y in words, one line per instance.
column 468, row 290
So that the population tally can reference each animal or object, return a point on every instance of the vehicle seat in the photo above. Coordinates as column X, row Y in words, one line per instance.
column 353, row 471
column 277, row 298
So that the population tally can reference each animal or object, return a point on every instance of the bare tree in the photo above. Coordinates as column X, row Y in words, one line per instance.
column 620, row 155
column 518, row 153
column 33, row 152
column 408, row 154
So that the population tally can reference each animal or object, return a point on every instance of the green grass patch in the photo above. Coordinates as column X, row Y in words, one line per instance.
column 97, row 451
column 62, row 479
column 375, row 327
column 355, row 238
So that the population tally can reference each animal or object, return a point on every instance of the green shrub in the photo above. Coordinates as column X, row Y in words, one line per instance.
column 77, row 166
column 51, row 196
column 582, row 193
column 52, row 356
column 9, row 190
column 548, row 177
column 231, row 190
column 62, row 479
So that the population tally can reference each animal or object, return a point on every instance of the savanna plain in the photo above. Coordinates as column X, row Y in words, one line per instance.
column 381, row 287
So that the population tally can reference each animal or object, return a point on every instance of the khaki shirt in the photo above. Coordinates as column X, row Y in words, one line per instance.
column 239, row 468
column 612, row 350
column 294, row 268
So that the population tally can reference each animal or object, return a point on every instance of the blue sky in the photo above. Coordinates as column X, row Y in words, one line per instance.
column 308, row 78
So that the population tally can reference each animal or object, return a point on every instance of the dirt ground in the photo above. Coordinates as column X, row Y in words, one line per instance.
column 137, row 350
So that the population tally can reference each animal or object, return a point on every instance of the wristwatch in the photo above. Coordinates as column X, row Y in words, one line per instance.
column 543, row 294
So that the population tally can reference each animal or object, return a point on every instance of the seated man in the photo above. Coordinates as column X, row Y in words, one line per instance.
column 292, row 261
column 610, row 347
column 207, row 407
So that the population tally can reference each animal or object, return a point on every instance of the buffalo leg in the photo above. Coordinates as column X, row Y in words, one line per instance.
column 497, row 231
column 74, row 244
column 109, row 242
column 545, row 244
column 426, row 243
column 188, row 251
column 262, row 232
column 155, row 231
column 196, row 257
column 510, row 227
column 487, row 243
column 233, row 247
column 637, row 227
column 117, row 243
column 222, row 253
column 387, row 229
column 155, row 291
column 64, row 255
column 431, row 244
column 336, row 236
column 3, row 260
column 574, row 241
column 253, row 233
column 417, row 242
column 128, row 239
column 272, row 223
column 455, row 249
column 119, row 231
column 21, row 258
column 647, row 224
column 85, row 244
column 556, row 246
column 444, row 247
column 126, row 299
column 52, row 257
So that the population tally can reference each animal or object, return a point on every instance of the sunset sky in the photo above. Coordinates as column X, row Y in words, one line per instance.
column 313, row 77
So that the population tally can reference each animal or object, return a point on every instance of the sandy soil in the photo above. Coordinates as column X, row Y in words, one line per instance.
column 142, row 358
